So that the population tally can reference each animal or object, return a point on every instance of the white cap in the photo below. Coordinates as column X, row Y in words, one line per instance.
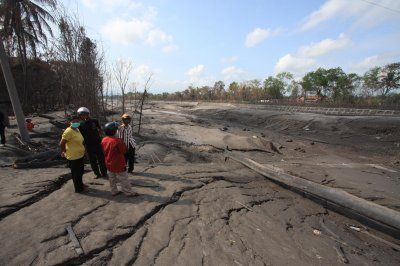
column 83, row 110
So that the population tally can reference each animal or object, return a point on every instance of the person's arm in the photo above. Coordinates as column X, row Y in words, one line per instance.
column 63, row 143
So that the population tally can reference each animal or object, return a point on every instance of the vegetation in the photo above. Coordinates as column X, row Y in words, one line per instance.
column 378, row 86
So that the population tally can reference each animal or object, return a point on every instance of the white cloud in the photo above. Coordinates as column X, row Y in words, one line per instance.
column 127, row 31
column 140, row 29
column 157, row 36
column 170, row 48
column 375, row 60
column 232, row 72
column 362, row 13
column 195, row 71
column 296, row 65
column 324, row 47
column 257, row 36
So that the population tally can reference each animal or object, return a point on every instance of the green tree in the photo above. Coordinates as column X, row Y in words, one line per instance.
column 274, row 87
column 390, row 78
column 371, row 82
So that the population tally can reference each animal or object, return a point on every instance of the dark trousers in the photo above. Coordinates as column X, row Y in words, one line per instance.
column 77, row 167
column 96, row 158
column 130, row 158
column 2, row 135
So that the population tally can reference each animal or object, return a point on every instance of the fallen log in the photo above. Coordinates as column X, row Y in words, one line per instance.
column 372, row 214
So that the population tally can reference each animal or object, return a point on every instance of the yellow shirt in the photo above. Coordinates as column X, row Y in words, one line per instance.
column 74, row 147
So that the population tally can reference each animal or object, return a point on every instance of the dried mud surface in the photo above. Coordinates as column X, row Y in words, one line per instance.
column 195, row 208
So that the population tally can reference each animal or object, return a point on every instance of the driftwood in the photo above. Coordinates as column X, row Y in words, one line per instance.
column 383, row 218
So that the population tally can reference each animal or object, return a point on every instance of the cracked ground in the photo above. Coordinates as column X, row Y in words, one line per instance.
column 196, row 208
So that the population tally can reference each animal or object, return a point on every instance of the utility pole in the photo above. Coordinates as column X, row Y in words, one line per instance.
column 12, row 92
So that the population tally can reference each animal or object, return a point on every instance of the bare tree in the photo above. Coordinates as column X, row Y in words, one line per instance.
column 147, row 85
column 122, row 70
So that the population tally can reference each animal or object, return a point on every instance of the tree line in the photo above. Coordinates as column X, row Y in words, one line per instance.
column 378, row 86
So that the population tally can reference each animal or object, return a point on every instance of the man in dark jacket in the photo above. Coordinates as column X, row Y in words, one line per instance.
column 2, row 129
column 92, row 134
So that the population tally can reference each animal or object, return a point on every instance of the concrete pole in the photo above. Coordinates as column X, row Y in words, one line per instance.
column 12, row 92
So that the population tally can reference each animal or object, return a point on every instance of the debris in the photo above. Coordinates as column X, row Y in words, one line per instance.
column 348, row 202
column 312, row 143
column 340, row 253
column 355, row 228
column 273, row 148
column 289, row 140
column 300, row 150
column 316, row 232
column 281, row 147
column 74, row 240
column 223, row 129
column 262, row 135
column 247, row 207
column 254, row 137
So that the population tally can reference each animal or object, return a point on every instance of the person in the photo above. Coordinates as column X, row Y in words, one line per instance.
column 114, row 150
column 125, row 132
column 29, row 124
column 73, row 150
column 2, row 129
column 92, row 134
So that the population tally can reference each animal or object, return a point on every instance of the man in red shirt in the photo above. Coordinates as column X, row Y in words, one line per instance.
column 114, row 151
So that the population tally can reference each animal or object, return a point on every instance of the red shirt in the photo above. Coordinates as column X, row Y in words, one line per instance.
column 114, row 153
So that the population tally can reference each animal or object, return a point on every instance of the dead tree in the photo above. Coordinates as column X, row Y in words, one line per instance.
column 147, row 85
column 122, row 70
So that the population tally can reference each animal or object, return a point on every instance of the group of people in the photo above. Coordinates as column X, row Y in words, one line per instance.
column 108, row 155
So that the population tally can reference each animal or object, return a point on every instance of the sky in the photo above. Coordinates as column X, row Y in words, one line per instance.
column 186, row 42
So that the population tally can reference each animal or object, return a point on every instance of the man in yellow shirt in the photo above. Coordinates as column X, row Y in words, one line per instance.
column 73, row 150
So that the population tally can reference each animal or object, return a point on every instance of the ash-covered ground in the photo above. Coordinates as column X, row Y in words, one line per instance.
column 196, row 208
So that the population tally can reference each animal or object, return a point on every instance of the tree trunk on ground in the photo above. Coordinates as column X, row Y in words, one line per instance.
column 12, row 91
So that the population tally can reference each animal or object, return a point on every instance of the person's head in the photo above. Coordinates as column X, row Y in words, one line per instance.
column 83, row 113
column 126, row 119
column 75, row 121
column 111, row 128
column 28, row 120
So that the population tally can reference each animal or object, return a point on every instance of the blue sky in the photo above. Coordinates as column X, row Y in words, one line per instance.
column 200, row 42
